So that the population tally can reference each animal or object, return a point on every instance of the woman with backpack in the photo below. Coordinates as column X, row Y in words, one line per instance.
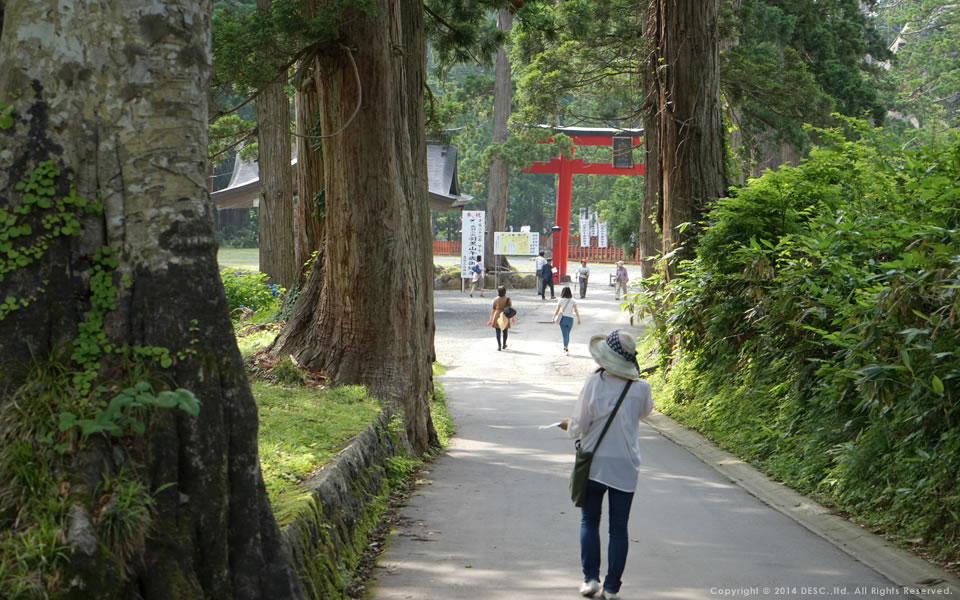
column 501, row 315
column 566, row 308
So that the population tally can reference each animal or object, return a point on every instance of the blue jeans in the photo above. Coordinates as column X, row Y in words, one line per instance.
column 566, row 324
column 590, row 534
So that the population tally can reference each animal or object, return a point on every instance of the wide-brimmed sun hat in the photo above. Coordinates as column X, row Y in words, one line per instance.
column 616, row 353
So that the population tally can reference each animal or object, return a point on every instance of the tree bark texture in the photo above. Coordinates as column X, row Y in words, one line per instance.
column 310, row 207
column 499, row 171
column 275, row 215
column 685, row 38
column 649, row 240
column 372, row 321
column 310, row 204
column 114, row 95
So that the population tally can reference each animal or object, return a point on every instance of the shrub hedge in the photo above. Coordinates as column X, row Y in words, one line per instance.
column 816, row 332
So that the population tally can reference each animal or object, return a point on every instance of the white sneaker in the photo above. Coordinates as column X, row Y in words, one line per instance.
column 610, row 596
column 589, row 588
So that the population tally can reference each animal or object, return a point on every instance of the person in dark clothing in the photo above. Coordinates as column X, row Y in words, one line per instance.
column 547, row 273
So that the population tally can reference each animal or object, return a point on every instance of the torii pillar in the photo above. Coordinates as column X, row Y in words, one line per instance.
column 566, row 167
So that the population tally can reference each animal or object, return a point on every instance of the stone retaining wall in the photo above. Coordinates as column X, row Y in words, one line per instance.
column 342, row 506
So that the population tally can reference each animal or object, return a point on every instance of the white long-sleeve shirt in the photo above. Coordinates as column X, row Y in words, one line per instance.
column 617, row 460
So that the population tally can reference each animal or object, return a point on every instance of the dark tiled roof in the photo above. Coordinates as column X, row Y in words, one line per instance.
column 243, row 191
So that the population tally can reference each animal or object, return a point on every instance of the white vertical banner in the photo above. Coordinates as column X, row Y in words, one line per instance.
column 471, row 241
column 595, row 223
column 585, row 233
column 602, row 236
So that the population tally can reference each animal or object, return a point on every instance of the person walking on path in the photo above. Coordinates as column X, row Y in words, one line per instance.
column 583, row 274
column 616, row 460
column 547, row 273
column 477, row 278
column 620, row 281
column 498, row 320
column 539, row 269
column 566, row 308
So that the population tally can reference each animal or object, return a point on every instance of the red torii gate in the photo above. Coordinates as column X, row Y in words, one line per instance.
column 623, row 142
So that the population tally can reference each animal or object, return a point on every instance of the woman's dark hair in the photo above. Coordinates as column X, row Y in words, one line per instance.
column 566, row 293
column 501, row 291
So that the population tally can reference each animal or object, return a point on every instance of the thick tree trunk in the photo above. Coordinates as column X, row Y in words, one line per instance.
column 310, row 188
column 651, row 223
column 499, row 172
column 372, row 322
column 310, row 201
column 276, row 236
column 114, row 96
column 690, row 131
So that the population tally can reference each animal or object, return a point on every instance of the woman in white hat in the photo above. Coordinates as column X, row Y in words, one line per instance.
column 616, row 459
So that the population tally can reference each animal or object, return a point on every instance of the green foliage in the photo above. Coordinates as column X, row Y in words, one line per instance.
column 926, row 68
column 126, row 514
column 6, row 115
column 816, row 331
column 442, row 422
column 122, row 413
column 249, row 289
column 245, row 236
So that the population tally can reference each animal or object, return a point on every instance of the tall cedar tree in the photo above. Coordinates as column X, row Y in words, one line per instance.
column 275, row 231
column 685, row 111
column 366, row 311
column 114, row 96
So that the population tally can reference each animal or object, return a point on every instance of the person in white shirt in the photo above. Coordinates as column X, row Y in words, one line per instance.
column 583, row 274
column 616, row 460
column 539, row 266
column 566, row 308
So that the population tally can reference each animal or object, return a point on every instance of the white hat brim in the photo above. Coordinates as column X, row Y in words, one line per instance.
column 610, row 360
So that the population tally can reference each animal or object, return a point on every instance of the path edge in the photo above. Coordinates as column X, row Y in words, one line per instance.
column 899, row 566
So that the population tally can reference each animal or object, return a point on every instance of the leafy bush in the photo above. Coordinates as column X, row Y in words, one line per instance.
column 249, row 289
column 815, row 333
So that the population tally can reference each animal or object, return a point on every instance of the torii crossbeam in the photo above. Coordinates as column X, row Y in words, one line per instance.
column 622, row 140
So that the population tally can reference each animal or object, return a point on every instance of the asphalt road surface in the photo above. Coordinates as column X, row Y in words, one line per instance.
column 493, row 520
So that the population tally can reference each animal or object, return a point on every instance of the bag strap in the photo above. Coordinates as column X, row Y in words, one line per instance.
column 614, row 413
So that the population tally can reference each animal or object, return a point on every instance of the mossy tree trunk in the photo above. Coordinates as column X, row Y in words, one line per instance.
column 367, row 316
column 110, row 100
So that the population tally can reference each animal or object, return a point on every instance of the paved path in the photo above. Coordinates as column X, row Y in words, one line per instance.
column 493, row 521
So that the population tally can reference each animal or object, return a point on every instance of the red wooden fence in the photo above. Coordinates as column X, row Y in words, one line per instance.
column 442, row 247
column 574, row 252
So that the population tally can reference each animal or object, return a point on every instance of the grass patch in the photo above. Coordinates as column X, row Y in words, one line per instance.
column 247, row 259
column 438, row 412
column 303, row 428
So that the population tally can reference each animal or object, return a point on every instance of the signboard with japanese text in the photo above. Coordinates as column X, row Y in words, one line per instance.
column 602, row 236
column 516, row 243
column 473, row 228
column 585, row 233
column 622, row 152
